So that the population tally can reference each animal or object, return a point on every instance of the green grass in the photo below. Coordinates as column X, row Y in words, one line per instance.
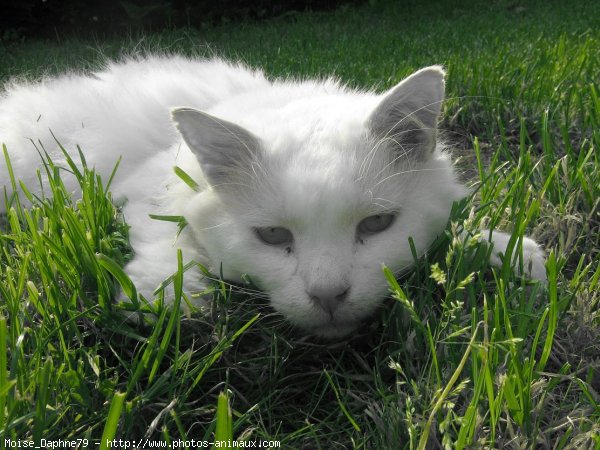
column 461, row 356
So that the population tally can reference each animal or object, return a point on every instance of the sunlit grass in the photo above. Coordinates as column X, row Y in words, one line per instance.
column 462, row 355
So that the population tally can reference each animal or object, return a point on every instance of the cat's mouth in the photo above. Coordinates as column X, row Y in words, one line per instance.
column 333, row 329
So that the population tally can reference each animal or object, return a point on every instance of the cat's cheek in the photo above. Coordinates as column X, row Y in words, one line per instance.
column 296, row 307
column 269, row 268
column 369, row 284
column 369, row 289
column 287, row 294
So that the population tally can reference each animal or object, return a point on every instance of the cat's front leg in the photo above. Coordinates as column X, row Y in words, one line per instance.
column 155, row 256
column 534, row 257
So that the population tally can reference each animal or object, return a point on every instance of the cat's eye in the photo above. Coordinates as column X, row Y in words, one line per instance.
column 375, row 224
column 275, row 235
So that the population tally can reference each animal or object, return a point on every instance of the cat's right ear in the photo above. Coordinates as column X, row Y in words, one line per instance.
column 220, row 146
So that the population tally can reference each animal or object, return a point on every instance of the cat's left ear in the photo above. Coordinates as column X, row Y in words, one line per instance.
column 221, row 147
column 408, row 114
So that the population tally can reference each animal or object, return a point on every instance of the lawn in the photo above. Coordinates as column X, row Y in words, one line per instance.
column 461, row 356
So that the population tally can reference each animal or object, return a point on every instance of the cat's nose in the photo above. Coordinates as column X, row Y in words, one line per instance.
column 329, row 297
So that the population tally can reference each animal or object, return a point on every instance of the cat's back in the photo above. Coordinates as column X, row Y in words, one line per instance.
column 122, row 110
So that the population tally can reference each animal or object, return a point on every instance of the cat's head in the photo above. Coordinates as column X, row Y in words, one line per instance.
column 311, row 198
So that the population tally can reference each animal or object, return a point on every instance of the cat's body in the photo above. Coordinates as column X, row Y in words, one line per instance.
column 307, row 187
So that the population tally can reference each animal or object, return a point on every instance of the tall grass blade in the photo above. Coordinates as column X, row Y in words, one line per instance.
column 112, row 420
column 224, row 426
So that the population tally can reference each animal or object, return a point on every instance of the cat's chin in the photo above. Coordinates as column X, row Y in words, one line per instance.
column 333, row 330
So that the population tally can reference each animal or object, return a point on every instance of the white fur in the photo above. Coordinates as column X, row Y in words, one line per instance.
column 311, row 156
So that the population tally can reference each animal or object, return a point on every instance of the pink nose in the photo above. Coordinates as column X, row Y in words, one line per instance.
column 329, row 297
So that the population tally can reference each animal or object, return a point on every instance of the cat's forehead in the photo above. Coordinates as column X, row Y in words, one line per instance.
column 310, row 197
column 319, row 162
column 303, row 115
column 339, row 160
column 324, row 186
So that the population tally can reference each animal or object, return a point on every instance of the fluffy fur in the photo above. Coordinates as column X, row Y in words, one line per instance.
column 312, row 166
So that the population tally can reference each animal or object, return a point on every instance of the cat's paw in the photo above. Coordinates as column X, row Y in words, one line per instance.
column 534, row 260
column 534, row 257
column 127, row 310
column 193, row 302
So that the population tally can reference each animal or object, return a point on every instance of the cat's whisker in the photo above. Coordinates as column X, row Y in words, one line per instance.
column 395, row 138
column 376, row 201
column 236, row 287
column 257, row 165
column 244, row 185
column 410, row 117
column 219, row 225
column 233, row 134
column 443, row 169
column 397, row 143
column 402, row 270
column 370, row 157
column 366, row 174
column 379, row 205
column 380, row 143
column 400, row 156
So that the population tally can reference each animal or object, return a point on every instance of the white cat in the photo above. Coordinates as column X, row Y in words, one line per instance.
column 306, row 186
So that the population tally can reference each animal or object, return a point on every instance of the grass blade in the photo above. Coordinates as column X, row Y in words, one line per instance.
column 224, row 426
column 112, row 420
